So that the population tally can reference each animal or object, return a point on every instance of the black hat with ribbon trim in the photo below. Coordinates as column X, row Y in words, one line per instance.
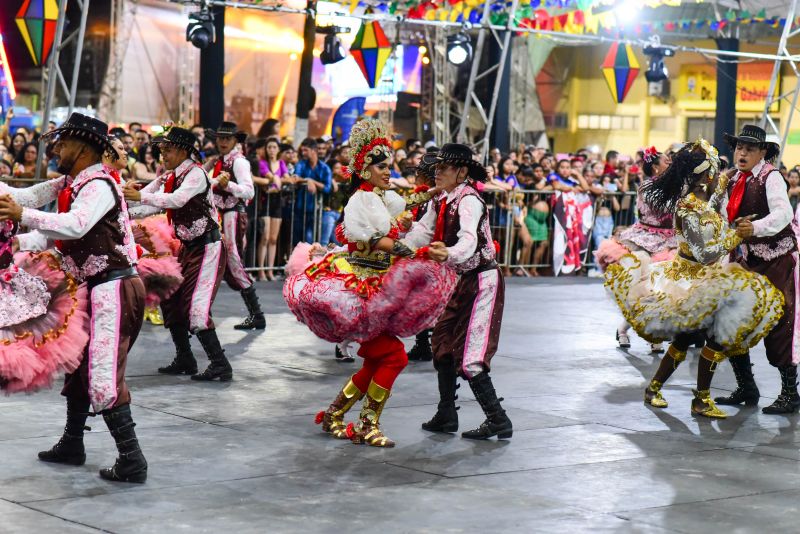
column 181, row 138
column 227, row 129
column 754, row 135
column 88, row 130
column 459, row 155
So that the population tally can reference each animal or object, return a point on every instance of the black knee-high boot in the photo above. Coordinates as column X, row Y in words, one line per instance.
column 69, row 449
column 255, row 319
column 788, row 401
column 746, row 389
column 184, row 362
column 219, row 366
column 497, row 422
column 131, row 465
column 446, row 417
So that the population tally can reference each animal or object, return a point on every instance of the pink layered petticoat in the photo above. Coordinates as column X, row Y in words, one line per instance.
column 158, row 267
column 35, row 350
column 161, row 276
column 409, row 298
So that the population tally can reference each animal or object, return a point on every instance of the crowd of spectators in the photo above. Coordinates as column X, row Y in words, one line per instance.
column 302, row 190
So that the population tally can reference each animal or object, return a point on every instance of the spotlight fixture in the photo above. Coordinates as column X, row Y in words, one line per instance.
column 657, row 75
column 200, row 31
column 332, row 49
column 459, row 48
column 656, row 69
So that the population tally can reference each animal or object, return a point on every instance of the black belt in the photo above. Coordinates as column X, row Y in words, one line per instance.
column 110, row 276
column 206, row 239
column 238, row 207
column 686, row 257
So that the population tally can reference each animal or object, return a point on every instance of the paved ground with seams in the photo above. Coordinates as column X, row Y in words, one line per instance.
column 586, row 456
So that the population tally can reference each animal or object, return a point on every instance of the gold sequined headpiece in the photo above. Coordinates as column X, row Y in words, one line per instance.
column 712, row 157
column 369, row 142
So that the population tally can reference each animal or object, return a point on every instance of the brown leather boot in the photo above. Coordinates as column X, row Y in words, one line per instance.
column 368, row 429
column 332, row 419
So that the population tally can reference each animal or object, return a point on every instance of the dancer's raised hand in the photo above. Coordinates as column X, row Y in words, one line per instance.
column 9, row 209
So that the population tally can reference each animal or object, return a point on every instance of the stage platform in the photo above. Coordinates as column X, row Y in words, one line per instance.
column 246, row 457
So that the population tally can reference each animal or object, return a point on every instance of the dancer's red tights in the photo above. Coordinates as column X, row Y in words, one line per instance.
column 384, row 359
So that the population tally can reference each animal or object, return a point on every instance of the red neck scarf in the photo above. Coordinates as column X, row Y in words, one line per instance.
column 169, row 187
column 64, row 203
column 438, row 233
column 737, row 194
column 217, row 170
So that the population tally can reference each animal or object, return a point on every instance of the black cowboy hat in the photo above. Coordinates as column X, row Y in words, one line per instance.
column 227, row 129
column 180, row 137
column 87, row 129
column 753, row 135
column 459, row 155
column 427, row 165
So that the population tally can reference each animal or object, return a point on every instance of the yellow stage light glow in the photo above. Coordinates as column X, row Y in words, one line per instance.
column 277, row 107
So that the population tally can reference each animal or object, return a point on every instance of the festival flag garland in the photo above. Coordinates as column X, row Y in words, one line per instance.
column 568, row 16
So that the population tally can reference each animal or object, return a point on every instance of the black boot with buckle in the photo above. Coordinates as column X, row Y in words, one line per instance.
column 256, row 320
column 219, row 368
column 131, row 465
column 788, row 401
column 746, row 389
column 446, row 417
column 184, row 362
column 69, row 449
column 497, row 422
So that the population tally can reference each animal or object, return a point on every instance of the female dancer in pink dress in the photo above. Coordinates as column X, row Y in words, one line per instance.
column 43, row 321
column 373, row 291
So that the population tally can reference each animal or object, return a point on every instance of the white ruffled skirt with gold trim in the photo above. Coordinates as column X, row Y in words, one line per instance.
column 734, row 307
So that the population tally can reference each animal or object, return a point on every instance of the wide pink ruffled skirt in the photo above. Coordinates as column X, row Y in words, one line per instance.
column 409, row 298
column 34, row 351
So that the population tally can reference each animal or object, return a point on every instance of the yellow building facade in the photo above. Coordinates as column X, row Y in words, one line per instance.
column 591, row 117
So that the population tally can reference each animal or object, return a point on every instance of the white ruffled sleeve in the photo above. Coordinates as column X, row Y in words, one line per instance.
column 395, row 204
column 365, row 217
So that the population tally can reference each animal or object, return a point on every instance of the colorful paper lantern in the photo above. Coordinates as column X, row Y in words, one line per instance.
column 620, row 68
column 371, row 49
column 36, row 20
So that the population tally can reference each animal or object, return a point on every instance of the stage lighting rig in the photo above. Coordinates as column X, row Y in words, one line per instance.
column 657, row 70
column 200, row 31
column 332, row 48
column 459, row 48
column 657, row 75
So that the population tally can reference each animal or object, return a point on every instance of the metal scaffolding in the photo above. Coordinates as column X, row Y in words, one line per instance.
column 441, row 85
column 53, row 76
column 188, row 63
column 790, row 29
column 497, row 69
column 122, row 15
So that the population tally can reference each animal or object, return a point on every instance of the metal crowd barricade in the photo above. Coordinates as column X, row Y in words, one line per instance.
column 521, row 252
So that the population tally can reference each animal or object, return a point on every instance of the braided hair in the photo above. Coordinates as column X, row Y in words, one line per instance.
column 663, row 194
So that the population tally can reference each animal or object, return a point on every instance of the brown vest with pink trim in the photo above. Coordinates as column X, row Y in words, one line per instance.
column 223, row 200
column 108, row 245
column 193, row 219
column 754, row 202
column 484, row 256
